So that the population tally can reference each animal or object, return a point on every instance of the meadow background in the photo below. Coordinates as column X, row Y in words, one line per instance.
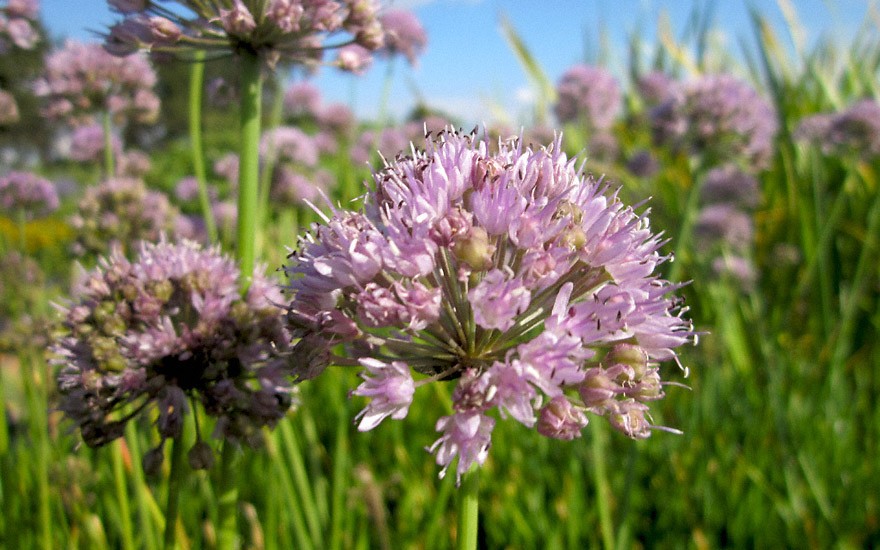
column 781, row 421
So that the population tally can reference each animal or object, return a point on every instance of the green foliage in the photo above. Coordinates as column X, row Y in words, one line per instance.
column 781, row 424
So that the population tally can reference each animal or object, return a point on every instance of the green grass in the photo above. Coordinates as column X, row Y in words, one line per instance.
column 781, row 424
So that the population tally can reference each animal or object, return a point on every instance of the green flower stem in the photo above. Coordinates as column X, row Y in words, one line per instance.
column 603, row 496
column 196, row 85
column 468, row 510
column 249, row 164
column 171, row 507
column 122, row 498
column 109, row 167
column 227, row 532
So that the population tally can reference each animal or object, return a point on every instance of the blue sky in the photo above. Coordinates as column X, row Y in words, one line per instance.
column 468, row 67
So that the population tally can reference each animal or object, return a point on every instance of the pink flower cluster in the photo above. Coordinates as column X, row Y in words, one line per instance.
column 81, row 81
column 170, row 328
column 16, row 24
column 293, row 31
column 512, row 272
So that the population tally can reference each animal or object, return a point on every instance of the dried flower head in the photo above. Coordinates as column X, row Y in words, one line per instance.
column 121, row 212
column 293, row 31
column 719, row 117
column 167, row 330
column 512, row 272
column 82, row 81
column 33, row 194
column 588, row 95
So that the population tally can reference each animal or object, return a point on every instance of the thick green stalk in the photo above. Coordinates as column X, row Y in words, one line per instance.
column 196, row 85
column 249, row 164
column 468, row 510
column 109, row 167
column 171, row 507
column 227, row 530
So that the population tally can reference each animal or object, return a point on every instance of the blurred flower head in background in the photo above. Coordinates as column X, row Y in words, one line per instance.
column 588, row 95
column 82, row 81
column 719, row 118
column 34, row 195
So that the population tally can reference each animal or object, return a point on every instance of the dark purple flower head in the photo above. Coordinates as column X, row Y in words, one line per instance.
column 83, row 80
column 856, row 130
column 718, row 117
column 34, row 194
column 509, row 270
column 588, row 95
column 121, row 212
column 166, row 329
column 404, row 35
column 293, row 31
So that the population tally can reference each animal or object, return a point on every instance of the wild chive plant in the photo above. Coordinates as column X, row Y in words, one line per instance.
column 511, row 272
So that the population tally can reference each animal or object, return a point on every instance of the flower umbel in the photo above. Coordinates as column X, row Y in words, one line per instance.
column 511, row 271
column 166, row 330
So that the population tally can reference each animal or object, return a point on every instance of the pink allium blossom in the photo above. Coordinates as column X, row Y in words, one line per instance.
column 8, row 109
column 293, row 31
column 404, row 35
column 390, row 388
column 508, row 270
column 82, row 81
column 171, row 326
column 718, row 117
column 854, row 130
column 588, row 95
column 302, row 99
column 121, row 212
column 34, row 194
column 17, row 19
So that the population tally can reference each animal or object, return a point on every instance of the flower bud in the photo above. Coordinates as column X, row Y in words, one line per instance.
column 475, row 249
column 201, row 456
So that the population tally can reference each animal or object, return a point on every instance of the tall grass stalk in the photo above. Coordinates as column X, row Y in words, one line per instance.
column 120, row 480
